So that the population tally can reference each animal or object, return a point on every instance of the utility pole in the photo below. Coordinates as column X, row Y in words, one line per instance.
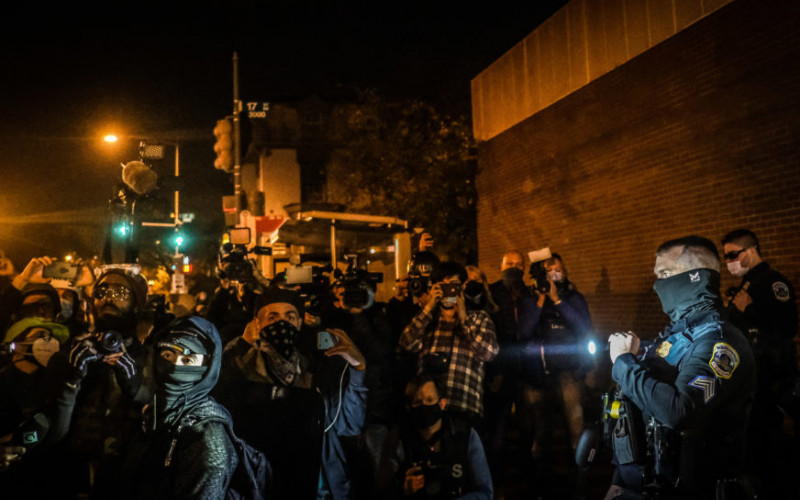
column 237, row 139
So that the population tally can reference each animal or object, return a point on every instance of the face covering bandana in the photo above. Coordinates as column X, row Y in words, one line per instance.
column 736, row 269
column 686, row 293
column 424, row 416
column 512, row 277
column 175, row 384
column 555, row 276
column 282, row 336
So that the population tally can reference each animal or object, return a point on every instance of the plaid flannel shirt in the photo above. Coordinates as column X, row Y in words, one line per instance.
column 467, row 347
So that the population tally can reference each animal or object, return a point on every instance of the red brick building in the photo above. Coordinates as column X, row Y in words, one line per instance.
column 618, row 125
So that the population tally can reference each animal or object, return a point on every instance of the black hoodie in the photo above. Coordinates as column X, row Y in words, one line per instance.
column 185, row 450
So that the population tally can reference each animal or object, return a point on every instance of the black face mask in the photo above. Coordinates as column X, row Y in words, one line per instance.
column 473, row 293
column 684, row 294
column 282, row 335
column 424, row 416
column 175, row 383
column 512, row 278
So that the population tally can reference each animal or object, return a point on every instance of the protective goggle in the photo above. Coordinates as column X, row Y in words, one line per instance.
column 112, row 291
column 179, row 356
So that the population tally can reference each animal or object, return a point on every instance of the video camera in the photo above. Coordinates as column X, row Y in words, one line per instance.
column 313, row 285
column 537, row 271
column 234, row 264
column 359, row 284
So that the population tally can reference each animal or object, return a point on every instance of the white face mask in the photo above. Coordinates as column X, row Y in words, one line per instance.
column 736, row 269
column 556, row 276
column 43, row 349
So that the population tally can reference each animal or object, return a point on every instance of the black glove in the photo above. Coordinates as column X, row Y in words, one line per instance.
column 81, row 356
column 127, row 375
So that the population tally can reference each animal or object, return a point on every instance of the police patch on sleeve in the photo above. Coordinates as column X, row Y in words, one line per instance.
column 724, row 360
column 705, row 384
column 781, row 291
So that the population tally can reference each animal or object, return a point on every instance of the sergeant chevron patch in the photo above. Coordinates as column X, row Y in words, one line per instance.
column 705, row 384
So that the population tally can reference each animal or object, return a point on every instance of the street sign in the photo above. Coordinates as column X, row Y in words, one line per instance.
column 257, row 109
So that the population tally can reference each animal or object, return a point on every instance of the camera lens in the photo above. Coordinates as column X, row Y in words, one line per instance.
column 109, row 342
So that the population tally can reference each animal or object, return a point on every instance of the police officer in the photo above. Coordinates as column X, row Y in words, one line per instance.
column 764, row 307
column 694, row 390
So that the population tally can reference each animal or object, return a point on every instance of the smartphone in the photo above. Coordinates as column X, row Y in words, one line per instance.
column 325, row 340
column 61, row 271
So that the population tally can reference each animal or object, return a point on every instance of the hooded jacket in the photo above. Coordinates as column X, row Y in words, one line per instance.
column 185, row 448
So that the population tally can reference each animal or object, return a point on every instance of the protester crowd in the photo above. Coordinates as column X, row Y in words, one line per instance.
column 314, row 390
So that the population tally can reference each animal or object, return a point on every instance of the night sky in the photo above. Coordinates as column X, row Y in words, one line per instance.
column 72, row 72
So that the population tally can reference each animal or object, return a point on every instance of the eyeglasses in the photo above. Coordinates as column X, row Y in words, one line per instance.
column 112, row 291
column 733, row 255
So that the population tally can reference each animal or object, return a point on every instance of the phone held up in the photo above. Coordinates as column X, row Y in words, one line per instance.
column 326, row 340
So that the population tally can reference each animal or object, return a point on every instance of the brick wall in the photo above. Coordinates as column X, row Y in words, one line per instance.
column 698, row 135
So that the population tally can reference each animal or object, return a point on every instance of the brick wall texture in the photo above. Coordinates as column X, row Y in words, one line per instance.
column 697, row 135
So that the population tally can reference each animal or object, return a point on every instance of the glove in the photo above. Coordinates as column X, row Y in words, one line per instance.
column 125, row 370
column 80, row 357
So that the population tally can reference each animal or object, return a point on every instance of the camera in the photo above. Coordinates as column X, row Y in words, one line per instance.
column 539, row 275
column 312, row 284
column 109, row 342
column 234, row 264
column 359, row 284
column 418, row 284
column 436, row 480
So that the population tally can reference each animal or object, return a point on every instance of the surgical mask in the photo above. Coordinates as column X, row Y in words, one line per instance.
column 736, row 268
column 282, row 335
column 43, row 349
column 686, row 293
column 424, row 416
column 67, row 309
column 555, row 276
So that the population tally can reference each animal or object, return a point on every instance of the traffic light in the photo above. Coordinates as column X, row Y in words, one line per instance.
column 224, row 145
column 123, row 228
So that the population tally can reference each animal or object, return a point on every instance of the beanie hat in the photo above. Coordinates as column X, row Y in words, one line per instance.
column 275, row 294
column 41, row 289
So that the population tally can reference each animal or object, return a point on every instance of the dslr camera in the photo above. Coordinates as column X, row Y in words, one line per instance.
column 359, row 284
column 106, row 343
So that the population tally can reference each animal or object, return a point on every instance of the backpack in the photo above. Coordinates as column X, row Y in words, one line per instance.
column 253, row 475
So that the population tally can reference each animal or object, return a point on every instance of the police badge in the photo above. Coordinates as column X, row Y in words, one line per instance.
column 781, row 291
column 724, row 360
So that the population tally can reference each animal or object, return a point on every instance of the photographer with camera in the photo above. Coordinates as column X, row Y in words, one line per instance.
column 96, row 385
column 452, row 343
column 240, row 284
column 554, row 324
column 295, row 406
column 694, row 390
column 429, row 455
column 29, row 344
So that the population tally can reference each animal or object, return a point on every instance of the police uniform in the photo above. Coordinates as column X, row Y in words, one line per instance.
column 695, row 390
column 770, row 324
